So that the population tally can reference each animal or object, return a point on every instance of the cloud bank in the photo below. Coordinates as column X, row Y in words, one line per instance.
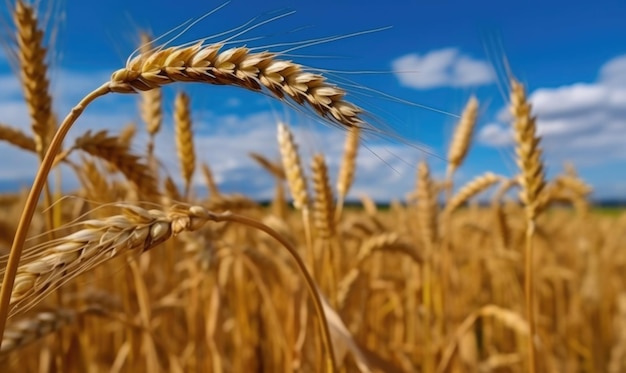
column 442, row 68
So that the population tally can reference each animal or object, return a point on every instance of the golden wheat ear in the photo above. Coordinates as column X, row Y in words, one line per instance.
column 184, row 139
column 31, row 55
column 237, row 67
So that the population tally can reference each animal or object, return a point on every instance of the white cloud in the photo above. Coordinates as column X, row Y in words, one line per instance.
column 496, row 135
column 582, row 122
column 442, row 68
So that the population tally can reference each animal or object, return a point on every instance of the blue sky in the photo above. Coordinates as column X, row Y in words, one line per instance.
column 571, row 55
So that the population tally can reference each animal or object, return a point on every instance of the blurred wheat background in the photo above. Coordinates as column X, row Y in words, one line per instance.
column 133, row 271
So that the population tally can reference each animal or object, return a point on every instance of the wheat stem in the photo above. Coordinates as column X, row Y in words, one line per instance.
column 31, row 201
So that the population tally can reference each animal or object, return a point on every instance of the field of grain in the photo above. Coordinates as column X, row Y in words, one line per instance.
column 136, row 273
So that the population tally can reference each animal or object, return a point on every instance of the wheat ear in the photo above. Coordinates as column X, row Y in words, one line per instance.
column 297, row 183
column 17, row 138
column 184, row 139
column 273, row 168
column 323, row 203
column 32, row 55
column 210, row 181
column 237, row 67
column 532, row 182
column 293, row 167
column 110, row 149
column 23, row 332
column 462, row 137
column 427, row 222
column 426, row 206
column 127, row 134
column 471, row 189
column 347, row 168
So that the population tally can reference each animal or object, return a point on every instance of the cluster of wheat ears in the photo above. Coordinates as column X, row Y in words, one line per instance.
column 137, row 274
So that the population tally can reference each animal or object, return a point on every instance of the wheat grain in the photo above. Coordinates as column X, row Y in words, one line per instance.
column 532, row 182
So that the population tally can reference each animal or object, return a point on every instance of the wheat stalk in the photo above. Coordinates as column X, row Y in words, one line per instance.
column 238, row 67
column 427, row 223
column 532, row 182
column 184, row 139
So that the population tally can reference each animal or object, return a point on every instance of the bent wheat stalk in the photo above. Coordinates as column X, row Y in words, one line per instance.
column 136, row 230
column 196, row 63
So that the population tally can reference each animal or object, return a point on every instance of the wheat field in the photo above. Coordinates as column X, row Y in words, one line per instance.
column 136, row 273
